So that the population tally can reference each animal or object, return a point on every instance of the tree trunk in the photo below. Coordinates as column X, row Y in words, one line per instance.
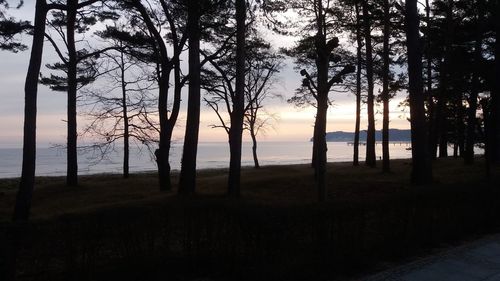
column 385, row 91
column 471, row 112
column 494, row 136
column 236, row 130
column 126, row 145
column 254, row 148
column 187, row 182
column 24, row 194
column 430, row 99
column 370, row 137
column 442, row 112
column 358, row 85
column 322, row 66
column 421, row 164
column 72, row 155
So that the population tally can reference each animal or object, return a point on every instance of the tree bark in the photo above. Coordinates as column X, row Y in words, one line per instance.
column 187, row 182
column 494, row 136
column 471, row 111
column 430, row 97
column 442, row 112
column 322, row 66
column 385, row 89
column 24, row 194
column 421, row 164
column 236, row 130
column 254, row 149
column 370, row 138
column 126, row 134
column 72, row 155
column 359, row 59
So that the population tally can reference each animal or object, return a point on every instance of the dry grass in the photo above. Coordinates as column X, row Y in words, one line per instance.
column 275, row 185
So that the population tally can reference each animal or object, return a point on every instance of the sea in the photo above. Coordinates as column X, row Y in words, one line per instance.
column 51, row 161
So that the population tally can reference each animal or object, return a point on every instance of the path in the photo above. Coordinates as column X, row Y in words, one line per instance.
column 478, row 260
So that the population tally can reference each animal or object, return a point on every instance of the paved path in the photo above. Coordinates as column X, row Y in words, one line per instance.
column 479, row 260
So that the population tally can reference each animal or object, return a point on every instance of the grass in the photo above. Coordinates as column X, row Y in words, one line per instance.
column 270, row 185
column 127, row 229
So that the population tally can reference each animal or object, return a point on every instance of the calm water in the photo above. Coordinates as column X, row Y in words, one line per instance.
column 52, row 161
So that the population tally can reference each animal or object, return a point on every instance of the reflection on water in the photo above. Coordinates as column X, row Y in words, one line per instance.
column 52, row 161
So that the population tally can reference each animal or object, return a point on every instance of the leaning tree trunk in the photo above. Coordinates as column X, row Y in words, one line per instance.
column 187, row 181
column 236, row 130
column 421, row 164
column 370, row 137
column 385, row 91
column 72, row 155
column 25, row 192
column 254, row 148
column 359, row 59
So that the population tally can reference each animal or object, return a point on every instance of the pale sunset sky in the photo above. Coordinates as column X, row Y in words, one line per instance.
column 294, row 124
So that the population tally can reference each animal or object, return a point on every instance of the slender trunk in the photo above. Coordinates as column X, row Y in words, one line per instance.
column 494, row 138
column 430, row 99
column 322, row 65
column 442, row 112
column 24, row 194
column 125, row 119
column 187, row 182
column 421, row 164
column 471, row 112
column 254, row 148
column 236, row 130
column 385, row 91
column 163, row 151
column 358, row 85
column 370, row 136
column 72, row 155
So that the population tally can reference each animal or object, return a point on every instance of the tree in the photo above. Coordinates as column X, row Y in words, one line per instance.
column 421, row 165
column 201, row 20
column 187, row 181
column 173, row 14
column 359, row 60
column 475, row 84
column 236, row 131
column 370, row 136
column 494, row 119
column 9, row 28
column 122, row 108
column 67, row 21
column 385, row 86
column 315, row 51
column 261, row 66
column 24, row 194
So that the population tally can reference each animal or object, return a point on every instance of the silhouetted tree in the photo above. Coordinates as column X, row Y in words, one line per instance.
column 261, row 65
column 25, row 193
column 68, row 20
column 370, row 135
column 315, row 51
column 173, row 15
column 494, row 119
column 123, row 108
column 201, row 18
column 9, row 28
column 421, row 168
column 236, row 130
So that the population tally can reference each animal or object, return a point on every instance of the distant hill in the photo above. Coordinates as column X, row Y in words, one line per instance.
column 394, row 135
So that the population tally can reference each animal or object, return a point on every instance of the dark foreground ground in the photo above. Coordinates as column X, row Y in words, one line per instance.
column 109, row 228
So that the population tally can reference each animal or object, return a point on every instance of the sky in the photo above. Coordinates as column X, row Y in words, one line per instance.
column 294, row 124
